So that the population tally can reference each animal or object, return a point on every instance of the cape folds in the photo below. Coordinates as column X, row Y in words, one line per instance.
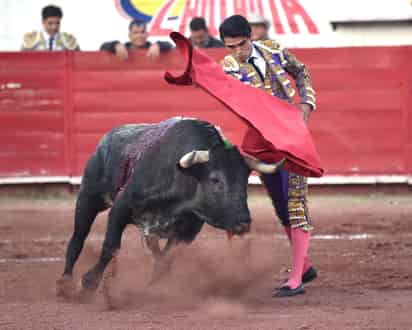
column 276, row 129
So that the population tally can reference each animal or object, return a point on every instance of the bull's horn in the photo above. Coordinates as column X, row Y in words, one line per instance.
column 262, row 167
column 194, row 157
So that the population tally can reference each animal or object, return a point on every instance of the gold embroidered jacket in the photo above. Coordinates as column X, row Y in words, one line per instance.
column 35, row 41
column 279, row 63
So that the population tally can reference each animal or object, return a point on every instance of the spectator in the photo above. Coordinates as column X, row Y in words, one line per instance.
column 137, row 40
column 199, row 35
column 260, row 27
column 50, row 38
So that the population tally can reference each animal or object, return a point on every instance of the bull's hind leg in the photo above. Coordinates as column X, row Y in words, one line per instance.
column 119, row 217
column 87, row 207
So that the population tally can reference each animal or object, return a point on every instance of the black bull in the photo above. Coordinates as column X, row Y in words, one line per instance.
column 167, row 179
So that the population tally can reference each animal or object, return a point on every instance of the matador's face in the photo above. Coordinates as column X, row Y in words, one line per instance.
column 52, row 25
column 240, row 47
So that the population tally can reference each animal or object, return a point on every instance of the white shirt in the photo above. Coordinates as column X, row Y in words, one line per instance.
column 259, row 61
column 47, row 37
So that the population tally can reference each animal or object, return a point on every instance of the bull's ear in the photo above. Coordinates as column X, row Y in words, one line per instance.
column 194, row 157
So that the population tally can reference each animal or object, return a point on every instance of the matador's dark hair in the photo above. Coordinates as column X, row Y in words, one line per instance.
column 234, row 26
column 51, row 11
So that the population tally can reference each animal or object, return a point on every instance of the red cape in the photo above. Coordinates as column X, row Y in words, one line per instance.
column 276, row 129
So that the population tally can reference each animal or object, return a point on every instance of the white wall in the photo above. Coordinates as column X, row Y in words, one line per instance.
column 385, row 35
column 96, row 21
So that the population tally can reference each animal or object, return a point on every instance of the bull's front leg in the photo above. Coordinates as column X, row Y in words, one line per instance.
column 119, row 217
column 162, row 261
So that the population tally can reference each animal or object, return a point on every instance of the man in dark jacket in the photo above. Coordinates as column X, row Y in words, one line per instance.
column 137, row 40
column 199, row 35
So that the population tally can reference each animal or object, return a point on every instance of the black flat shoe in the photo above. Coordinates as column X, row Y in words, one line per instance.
column 309, row 275
column 286, row 291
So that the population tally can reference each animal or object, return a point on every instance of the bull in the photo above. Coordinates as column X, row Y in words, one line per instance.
column 168, row 179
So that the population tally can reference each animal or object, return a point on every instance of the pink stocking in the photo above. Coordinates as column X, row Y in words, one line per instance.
column 300, row 245
column 307, row 264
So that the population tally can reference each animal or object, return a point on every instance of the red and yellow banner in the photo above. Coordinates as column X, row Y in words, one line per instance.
column 165, row 16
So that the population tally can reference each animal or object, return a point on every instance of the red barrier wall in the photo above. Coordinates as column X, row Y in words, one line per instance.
column 55, row 107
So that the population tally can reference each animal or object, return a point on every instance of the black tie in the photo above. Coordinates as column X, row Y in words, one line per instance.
column 51, row 43
column 251, row 60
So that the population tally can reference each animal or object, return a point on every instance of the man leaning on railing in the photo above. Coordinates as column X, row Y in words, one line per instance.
column 137, row 40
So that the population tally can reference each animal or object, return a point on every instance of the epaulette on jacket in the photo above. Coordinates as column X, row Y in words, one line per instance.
column 69, row 41
column 269, row 45
column 31, row 39
column 229, row 64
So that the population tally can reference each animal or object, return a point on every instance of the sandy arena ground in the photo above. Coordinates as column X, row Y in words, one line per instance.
column 362, row 247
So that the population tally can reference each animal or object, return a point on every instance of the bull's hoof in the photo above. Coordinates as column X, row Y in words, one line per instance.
column 65, row 287
column 90, row 282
